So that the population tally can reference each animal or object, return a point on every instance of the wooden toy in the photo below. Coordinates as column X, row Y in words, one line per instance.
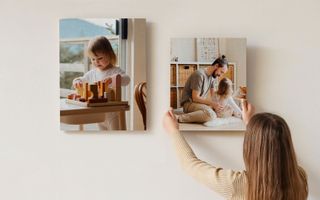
column 97, row 94
column 94, row 92
column 85, row 91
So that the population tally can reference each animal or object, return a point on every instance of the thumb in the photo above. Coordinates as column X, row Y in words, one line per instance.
column 171, row 114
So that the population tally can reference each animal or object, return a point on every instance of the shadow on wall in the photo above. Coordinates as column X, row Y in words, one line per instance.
column 149, row 33
column 253, row 66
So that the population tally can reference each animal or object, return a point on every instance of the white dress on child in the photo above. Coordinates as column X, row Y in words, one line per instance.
column 230, row 114
column 112, row 118
column 230, row 108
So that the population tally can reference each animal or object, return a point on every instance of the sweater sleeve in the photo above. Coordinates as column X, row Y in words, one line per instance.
column 220, row 180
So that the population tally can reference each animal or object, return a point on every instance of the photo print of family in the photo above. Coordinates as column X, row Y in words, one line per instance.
column 102, row 74
column 208, row 82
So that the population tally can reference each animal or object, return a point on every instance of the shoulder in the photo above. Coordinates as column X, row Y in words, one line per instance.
column 90, row 72
column 239, row 181
column 303, row 174
column 112, row 71
column 304, row 177
column 232, row 175
column 230, row 183
column 198, row 74
column 116, row 69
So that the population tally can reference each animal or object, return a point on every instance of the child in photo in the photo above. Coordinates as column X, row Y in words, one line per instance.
column 104, row 60
column 223, row 96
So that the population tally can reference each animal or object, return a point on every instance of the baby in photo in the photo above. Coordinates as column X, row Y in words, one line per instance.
column 223, row 96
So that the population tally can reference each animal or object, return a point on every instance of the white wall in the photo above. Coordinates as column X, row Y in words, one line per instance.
column 235, row 49
column 184, row 49
column 37, row 161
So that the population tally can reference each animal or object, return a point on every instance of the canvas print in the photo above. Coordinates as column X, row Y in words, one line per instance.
column 102, row 74
column 208, row 82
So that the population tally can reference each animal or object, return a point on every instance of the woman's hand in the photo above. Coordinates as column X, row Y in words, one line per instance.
column 170, row 123
column 247, row 111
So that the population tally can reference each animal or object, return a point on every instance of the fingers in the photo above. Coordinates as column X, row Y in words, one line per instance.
column 77, row 85
column 108, row 80
column 169, row 122
column 217, row 107
column 172, row 114
column 169, row 114
column 220, row 107
column 170, row 109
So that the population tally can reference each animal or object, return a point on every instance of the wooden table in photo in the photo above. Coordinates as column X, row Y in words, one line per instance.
column 79, row 115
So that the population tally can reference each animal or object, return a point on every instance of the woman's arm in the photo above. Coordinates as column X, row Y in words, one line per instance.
column 217, row 179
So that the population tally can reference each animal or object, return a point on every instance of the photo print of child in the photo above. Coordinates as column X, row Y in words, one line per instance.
column 98, row 71
column 206, row 75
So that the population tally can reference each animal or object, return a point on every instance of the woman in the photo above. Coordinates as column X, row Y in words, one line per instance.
column 272, row 172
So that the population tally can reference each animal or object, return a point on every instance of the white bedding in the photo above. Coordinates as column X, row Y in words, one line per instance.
column 222, row 121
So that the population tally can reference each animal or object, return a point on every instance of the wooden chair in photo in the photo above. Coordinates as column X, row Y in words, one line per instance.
column 141, row 99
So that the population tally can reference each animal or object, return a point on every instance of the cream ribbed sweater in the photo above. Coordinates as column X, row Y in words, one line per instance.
column 228, row 183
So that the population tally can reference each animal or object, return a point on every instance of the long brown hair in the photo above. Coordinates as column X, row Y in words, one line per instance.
column 271, row 166
column 225, row 88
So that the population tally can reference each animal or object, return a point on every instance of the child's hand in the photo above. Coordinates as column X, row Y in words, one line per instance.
column 247, row 111
column 108, row 80
column 170, row 123
column 216, row 106
column 77, row 84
